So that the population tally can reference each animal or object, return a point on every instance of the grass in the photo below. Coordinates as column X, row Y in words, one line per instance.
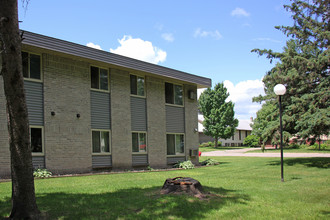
column 245, row 188
column 208, row 149
column 291, row 150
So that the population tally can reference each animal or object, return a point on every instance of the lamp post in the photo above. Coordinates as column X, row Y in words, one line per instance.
column 280, row 90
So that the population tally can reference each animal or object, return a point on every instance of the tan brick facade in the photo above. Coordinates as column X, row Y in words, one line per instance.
column 191, row 123
column 4, row 142
column 121, row 119
column 67, row 93
column 156, row 122
column 67, row 138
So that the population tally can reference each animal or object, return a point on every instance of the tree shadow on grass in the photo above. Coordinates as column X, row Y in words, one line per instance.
column 319, row 162
column 133, row 203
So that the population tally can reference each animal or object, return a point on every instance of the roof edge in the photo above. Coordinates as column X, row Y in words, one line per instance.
column 62, row 46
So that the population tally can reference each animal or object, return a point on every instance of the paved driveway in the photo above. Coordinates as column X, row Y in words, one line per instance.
column 243, row 153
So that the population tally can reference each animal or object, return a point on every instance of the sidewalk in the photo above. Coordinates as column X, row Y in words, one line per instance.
column 242, row 153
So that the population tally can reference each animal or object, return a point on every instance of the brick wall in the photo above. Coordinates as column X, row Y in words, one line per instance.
column 67, row 93
column 121, row 142
column 4, row 142
column 156, row 122
column 191, row 123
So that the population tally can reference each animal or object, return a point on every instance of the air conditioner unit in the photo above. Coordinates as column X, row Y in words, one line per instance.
column 192, row 95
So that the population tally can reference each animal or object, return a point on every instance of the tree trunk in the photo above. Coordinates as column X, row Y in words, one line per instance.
column 216, row 142
column 23, row 194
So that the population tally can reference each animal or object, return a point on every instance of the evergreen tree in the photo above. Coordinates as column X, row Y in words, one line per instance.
column 304, row 68
column 219, row 120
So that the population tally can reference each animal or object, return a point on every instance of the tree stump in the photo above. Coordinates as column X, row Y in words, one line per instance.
column 183, row 185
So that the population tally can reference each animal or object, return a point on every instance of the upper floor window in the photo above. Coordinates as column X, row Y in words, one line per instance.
column 139, row 142
column 175, row 144
column 137, row 85
column 99, row 78
column 36, row 139
column 100, row 141
column 173, row 94
column 31, row 64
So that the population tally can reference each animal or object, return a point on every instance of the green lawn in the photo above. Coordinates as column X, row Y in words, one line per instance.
column 244, row 188
column 301, row 150
column 208, row 149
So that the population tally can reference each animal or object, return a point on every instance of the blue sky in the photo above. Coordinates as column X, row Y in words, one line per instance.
column 211, row 38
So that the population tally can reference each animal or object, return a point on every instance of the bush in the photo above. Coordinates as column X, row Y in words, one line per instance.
column 292, row 146
column 184, row 165
column 209, row 162
column 251, row 140
column 210, row 144
column 42, row 173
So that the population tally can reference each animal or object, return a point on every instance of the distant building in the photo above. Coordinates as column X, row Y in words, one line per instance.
column 242, row 131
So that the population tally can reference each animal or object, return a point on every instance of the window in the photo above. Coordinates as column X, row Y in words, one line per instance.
column 100, row 141
column 175, row 144
column 36, row 139
column 246, row 133
column 173, row 94
column 233, row 137
column 99, row 78
column 240, row 136
column 31, row 66
column 139, row 142
column 137, row 85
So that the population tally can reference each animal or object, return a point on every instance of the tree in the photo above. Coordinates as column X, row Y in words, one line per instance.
column 219, row 120
column 23, row 193
column 251, row 140
column 304, row 68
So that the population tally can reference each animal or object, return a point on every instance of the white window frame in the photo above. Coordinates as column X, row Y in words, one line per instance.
column 90, row 73
column 144, row 85
column 174, row 84
column 41, row 74
column 184, row 145
column 101, row 153
column 42, row 153
column 140, row 152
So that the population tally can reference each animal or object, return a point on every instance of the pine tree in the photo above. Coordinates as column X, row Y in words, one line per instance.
column 304, row 68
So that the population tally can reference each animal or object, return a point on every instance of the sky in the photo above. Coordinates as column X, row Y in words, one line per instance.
column 209, row 38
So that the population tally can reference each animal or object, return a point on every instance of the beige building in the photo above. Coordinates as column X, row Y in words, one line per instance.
column 242, row 131
column 91, row 109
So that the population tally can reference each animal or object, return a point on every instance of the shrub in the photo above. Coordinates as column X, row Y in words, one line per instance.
column 184, row 165
column 209, row 162
column 42, row 173
column 251, row 140
column 292, row 146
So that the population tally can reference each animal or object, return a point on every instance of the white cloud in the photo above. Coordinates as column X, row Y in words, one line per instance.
column 199, row 92
column 139, row 49
column 90, row 44
column 200, row 33
column 240, row 12
column 241, row 94
column 168, row 37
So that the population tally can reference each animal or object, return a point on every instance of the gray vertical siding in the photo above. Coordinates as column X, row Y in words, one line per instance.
column 138, row 114
column 34, row 102
column 100, row 110
column 101, row 161
column 140, row 160
column 38, row 162
column 175, row 119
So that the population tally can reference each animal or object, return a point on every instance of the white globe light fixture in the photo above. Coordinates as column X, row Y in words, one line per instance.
column 280, row 90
